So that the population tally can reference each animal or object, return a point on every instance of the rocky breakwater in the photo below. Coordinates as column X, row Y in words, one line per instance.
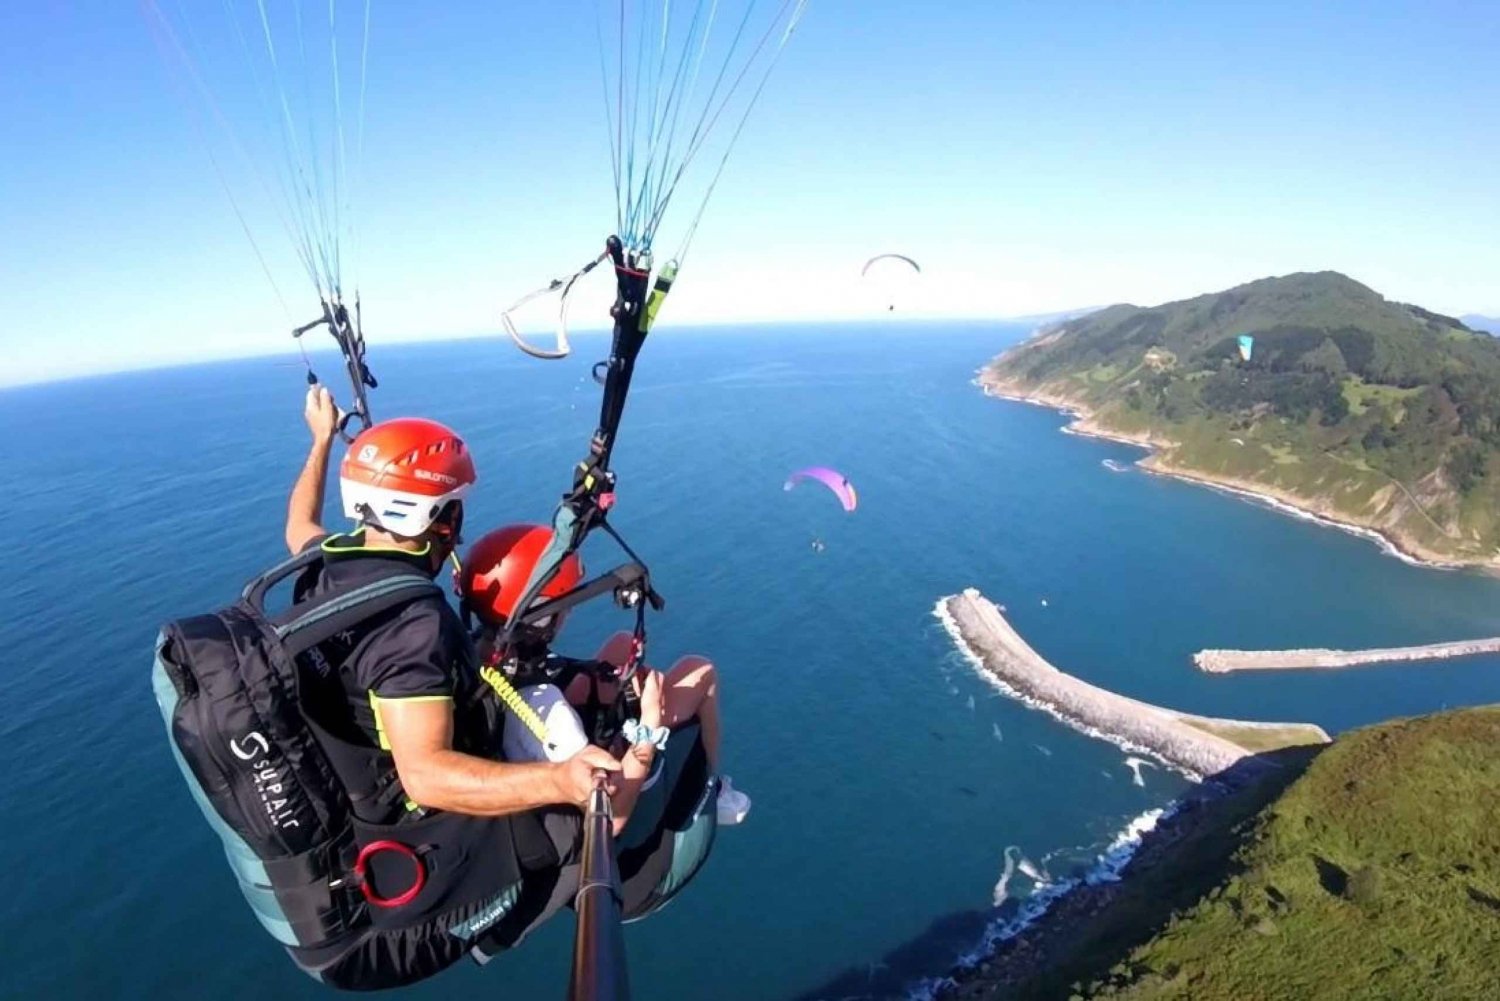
column 1195, row 744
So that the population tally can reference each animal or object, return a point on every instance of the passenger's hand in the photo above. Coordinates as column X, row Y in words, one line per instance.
column 653, row 700
column 321, row 413
column 575, row 777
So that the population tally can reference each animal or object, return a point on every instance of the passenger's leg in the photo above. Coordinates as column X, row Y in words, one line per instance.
column 692, row 690
column 616, row 651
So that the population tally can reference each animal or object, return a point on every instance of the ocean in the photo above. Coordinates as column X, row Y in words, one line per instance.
column 891, row 783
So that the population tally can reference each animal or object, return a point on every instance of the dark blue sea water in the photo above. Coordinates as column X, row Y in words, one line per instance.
column 888, row 779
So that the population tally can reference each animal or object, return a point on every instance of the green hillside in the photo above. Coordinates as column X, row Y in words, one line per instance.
column 1375, row 874
column 1370, row 411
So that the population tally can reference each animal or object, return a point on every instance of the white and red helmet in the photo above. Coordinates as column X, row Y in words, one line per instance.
column 400, row 475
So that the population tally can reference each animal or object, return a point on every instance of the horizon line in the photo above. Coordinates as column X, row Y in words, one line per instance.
column 292, row 348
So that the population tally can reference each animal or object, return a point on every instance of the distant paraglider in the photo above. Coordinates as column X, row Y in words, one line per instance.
column 1247, row 346
column 830, row 478
column 889, row 257
column 892, row 275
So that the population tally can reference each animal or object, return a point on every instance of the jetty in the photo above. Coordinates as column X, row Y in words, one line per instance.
column 1224, row 661
column 1198, row 745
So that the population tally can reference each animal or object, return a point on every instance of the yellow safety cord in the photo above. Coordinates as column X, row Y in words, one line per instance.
column 502, row 686
column 515, row 703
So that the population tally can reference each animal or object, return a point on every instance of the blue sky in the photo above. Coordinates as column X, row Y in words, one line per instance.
column 1033, row 157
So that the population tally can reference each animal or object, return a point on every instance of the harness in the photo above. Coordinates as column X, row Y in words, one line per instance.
column 303, row 814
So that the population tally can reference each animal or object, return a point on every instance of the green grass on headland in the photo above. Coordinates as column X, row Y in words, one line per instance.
column 1258, row 738
column 1375, row 412
column 1376, row 874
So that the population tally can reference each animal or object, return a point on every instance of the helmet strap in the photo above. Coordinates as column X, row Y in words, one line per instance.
column 449, row 523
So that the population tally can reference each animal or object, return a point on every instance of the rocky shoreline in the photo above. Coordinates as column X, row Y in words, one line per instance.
column 1085, row 424
column 1050, row 940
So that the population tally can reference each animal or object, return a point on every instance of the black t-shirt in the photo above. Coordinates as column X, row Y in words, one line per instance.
column 418, row 650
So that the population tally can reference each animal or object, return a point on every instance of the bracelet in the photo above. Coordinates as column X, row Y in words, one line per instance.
column 639, row 733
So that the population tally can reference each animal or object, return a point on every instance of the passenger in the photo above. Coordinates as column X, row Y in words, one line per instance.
column 493, row 579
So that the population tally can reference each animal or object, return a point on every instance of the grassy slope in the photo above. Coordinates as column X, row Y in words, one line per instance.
column 1259, row 737
column 1376, row 874
column 1388, row 461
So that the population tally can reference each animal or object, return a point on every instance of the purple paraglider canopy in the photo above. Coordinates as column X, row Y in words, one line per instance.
column 830, row 478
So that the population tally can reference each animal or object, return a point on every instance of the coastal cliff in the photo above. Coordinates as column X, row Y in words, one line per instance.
column 1370, row 868
column 1369, row 414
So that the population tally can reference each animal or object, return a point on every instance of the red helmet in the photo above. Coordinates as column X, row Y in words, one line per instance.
column 499, row 565
column 399, row 475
